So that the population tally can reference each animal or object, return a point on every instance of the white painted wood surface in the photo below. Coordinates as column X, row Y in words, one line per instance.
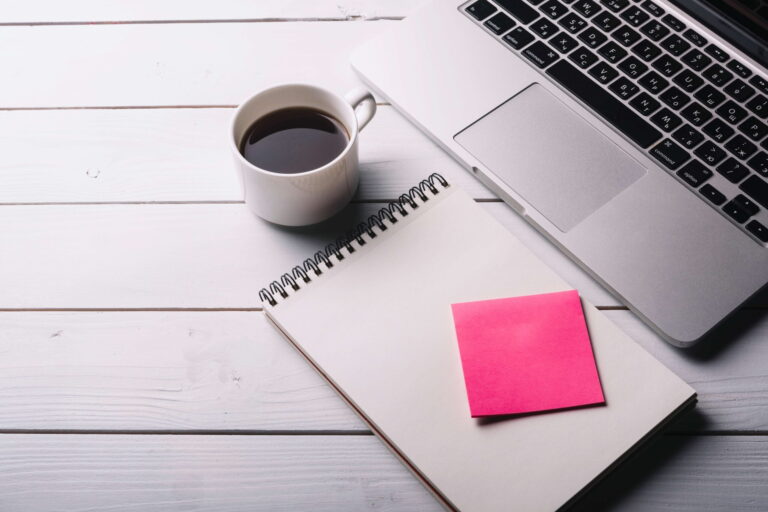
column 217, row 372
column 90, row 11
column 181, row 155
column 332, row 473
column 231, row 371
column 172, row 64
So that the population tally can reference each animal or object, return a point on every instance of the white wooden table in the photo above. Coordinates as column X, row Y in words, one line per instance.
column 137, row 371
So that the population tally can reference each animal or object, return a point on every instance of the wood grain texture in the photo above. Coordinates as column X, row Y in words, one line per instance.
column 89, row 11
column 729, row 370
column 334, row 473
column 173, row 64
column 205, row 473
column 181, row 256
column 181, row 155
column 231, row 371
column 222, row 371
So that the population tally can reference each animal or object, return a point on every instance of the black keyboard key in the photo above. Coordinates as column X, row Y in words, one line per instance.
column 670, row 154
column 757, row 189
column 563, row 43
column 713, row 195
column 655, row 30
column 666, row 120
column 694, row 37
column 739, row 90
column 688, row 80
column 675, row 45
column 583, row 57
column 710, row 153
column 718, row 75
column 694, row 173
column 517, row 38
column 553, row 9
column 653, row 82
column 499, row 23
column 740, row 147
column 626, row 36
column 593, row 37
column 587, row 8
column 696, row 60
column 540, row 54
column 624, row 88
column 688, row 136
column 673, row 22
column 481, row 9
column 519, row 9
column 759, row 163
column 746, row 203
column 754, row 128
column 736, row 213
column 615, row 5
column 544, row 28
column 645, row 104
column 612, row 52
column 717, row 53
column 635, row 16
column 606, row 21
column 758, row 106
column 603, row 73
column 732, row 112
column 710, row 96
column 667, row 65
column 696, row 114
column 757, row 229
column 718, row 130
column 652, row 8
column 675, row 98
column 633, row 67
column 613, row 110
column 733, row 170
column 760, row 83
column 739, row 68
column 646, row 50
column 573, row 23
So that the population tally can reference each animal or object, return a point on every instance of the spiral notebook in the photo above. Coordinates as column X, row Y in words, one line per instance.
column 372, row 314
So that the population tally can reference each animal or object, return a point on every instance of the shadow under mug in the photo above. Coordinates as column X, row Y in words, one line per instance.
column 308, row 197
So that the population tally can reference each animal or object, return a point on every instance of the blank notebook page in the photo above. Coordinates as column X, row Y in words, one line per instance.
column 378, row 326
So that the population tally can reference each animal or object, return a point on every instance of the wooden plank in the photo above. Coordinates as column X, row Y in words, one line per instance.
column 335, row 473
column 688, row 474
column 180, row 256
column 225, row 371
column 205, row 473
column 172, row 64
column 181, row 155
column 231, row 371
column 90, row 11
column 729, row 370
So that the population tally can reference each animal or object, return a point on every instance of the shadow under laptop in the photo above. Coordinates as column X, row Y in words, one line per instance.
column 636, row 482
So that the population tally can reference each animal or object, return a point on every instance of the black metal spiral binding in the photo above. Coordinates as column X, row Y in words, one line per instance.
column 302, row 273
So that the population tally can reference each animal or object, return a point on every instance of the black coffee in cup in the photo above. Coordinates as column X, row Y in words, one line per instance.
column 294, row 140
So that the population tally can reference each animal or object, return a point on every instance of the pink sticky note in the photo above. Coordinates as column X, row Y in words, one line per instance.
column 526, row 354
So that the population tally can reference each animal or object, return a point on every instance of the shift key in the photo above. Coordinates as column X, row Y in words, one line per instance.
column 757, row 189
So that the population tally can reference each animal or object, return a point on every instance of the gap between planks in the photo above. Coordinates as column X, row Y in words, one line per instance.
column 140, row 107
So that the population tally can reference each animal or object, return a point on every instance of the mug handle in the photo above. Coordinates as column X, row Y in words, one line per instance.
column 364, row 105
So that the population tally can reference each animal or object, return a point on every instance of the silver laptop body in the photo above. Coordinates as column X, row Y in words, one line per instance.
column 603, row 192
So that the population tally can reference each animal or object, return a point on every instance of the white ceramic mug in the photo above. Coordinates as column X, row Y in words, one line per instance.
column 312, row 196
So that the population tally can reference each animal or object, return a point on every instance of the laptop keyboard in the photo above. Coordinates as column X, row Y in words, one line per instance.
column 684, row 100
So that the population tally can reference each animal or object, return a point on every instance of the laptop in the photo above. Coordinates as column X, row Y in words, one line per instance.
column 633, row 134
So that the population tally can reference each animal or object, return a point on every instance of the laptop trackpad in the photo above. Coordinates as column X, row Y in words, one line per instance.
column 558, row 162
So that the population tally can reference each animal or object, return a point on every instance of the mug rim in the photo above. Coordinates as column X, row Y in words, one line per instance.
column 290, row 85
